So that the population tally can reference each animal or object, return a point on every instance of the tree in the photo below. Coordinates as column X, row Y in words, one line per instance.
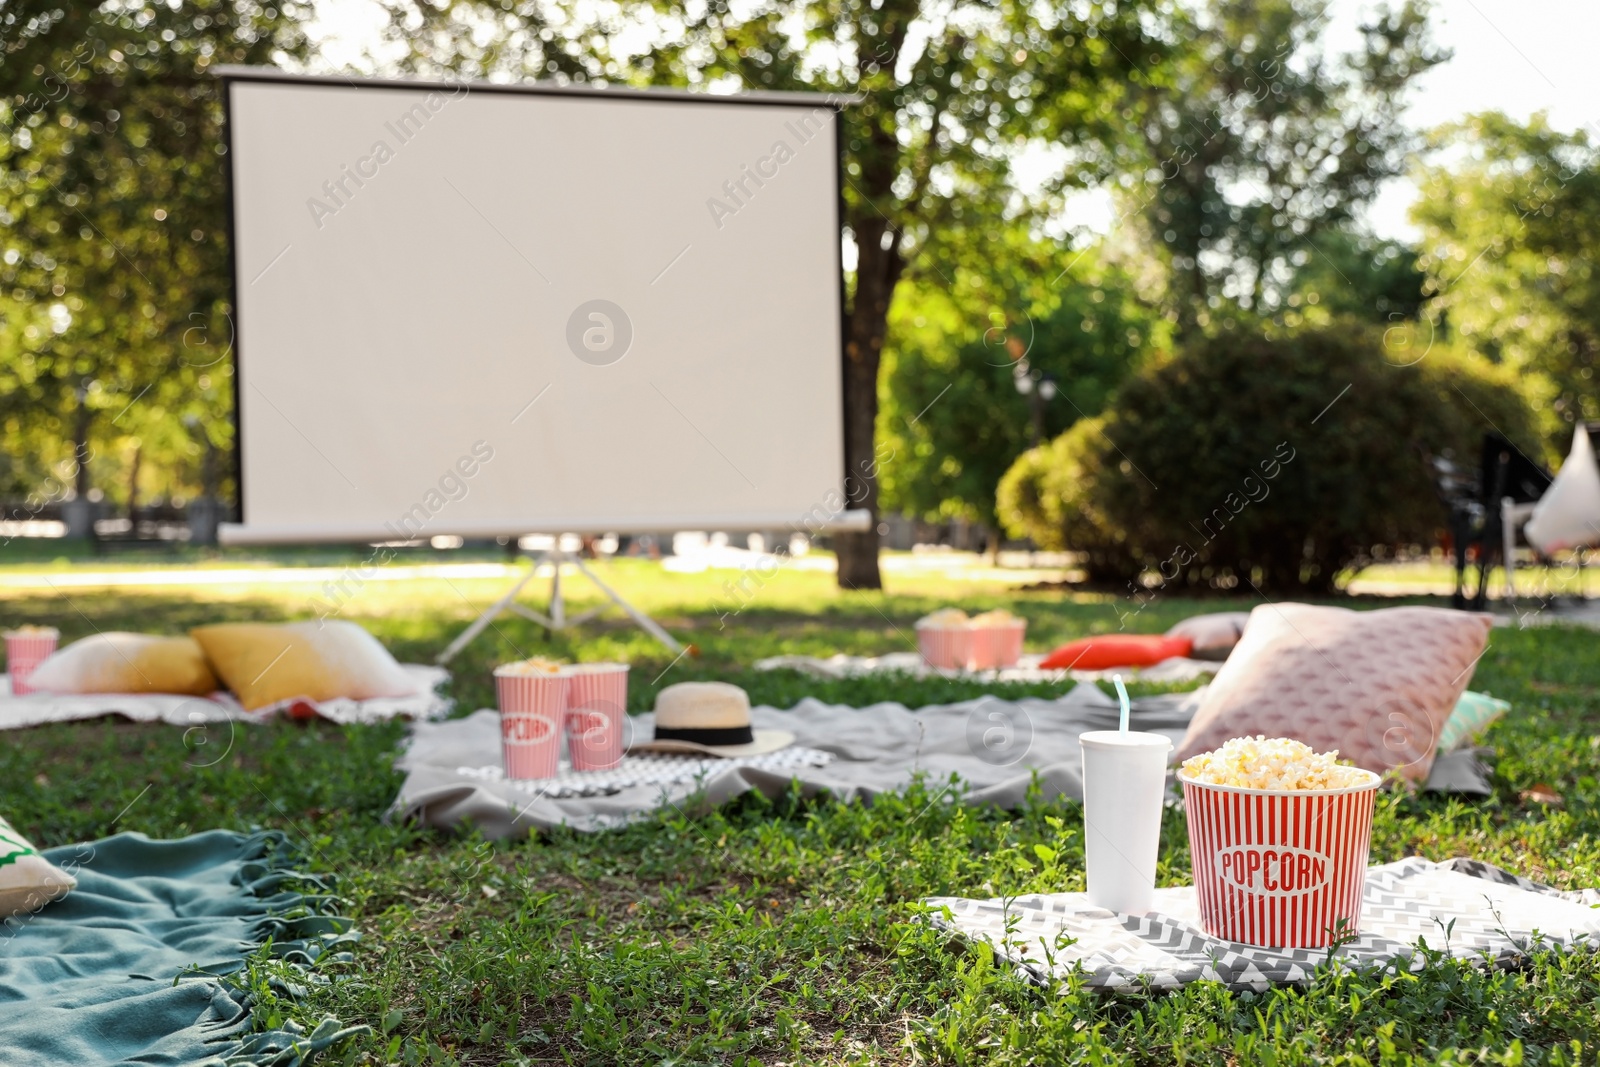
column 947, row 94
column 1511, row 249
column 1354, row 275
column 1268, row 459
column 1254, row 144
column 114, row 274
column 953, row 418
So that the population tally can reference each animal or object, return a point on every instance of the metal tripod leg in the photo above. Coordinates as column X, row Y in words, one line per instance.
column 645, row 622
column 557, row 619
column 488, row 616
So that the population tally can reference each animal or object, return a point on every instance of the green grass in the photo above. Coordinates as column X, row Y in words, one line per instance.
column 1436, row 576
column 785, row 932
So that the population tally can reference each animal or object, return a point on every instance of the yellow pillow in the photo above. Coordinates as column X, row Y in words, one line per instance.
column 127, row 663
column 264, row 663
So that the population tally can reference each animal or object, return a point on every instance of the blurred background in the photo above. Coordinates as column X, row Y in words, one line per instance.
column 1109, row 264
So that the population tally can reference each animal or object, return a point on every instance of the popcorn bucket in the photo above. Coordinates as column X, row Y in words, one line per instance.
column 532, row 708
column 597, row 703
column 944, row 647
column 25, row 650
column 992, row 647
column 1280, row 869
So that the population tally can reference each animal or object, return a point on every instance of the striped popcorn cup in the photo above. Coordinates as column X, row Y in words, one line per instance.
column 944, row 647
column 25, row 650
column 532, row 709
column 1280, row 869
column 597, row 712
column 992, row 647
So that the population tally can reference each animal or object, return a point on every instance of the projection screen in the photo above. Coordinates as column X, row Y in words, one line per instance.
column 489, row 310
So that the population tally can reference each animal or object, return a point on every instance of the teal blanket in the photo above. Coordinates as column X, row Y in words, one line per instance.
column 132, row 966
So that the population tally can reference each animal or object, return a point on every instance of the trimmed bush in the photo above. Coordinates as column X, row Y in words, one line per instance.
column 1272, row 462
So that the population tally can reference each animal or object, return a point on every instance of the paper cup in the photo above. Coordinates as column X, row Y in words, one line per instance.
column 532, row 709
column 1124, row 785
column 597, row 709
column 944, row 647
column 993, row 647
column 1280, row 869
column 25, row 650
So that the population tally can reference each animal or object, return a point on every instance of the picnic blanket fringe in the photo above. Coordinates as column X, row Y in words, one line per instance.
column 301, row 926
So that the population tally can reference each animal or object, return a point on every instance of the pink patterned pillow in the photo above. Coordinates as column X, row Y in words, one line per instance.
column 1376, row 685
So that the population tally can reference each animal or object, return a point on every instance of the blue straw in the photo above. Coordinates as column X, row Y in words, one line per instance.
column 1122, row 695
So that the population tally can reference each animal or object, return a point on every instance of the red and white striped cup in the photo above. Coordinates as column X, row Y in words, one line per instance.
column 25, row 650
column 532, row 710
column 992, row 647
column 944, row 647
column 597, row 712
column 1280, row 869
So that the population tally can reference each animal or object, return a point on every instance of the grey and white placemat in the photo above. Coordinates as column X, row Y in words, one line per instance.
column 1464, row 907
column 645, row 769
column 35, row 709
column 1026, row 670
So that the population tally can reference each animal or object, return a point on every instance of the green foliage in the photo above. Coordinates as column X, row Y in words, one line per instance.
column 952, row 419
column 1511, row 257
column 1049, row 495
column 1264, row 461
column 1254, row 142
column 788, row 932
column 115, row 271
column 1353, row 275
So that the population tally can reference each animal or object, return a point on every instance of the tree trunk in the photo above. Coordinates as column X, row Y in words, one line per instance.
column 866, row 323
column 80, row 445
column 133, row 487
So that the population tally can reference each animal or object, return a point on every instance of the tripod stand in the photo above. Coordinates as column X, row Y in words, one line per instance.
column 557, row 619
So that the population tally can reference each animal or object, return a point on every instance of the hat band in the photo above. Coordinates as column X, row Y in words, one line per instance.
column 726, row 735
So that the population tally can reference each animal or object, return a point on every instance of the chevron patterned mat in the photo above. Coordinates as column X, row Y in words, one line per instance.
column 1464, row 907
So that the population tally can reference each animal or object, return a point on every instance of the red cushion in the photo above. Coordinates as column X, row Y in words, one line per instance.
column 1116, row 650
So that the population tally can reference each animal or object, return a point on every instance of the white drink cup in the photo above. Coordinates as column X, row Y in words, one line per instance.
column 1124, row 782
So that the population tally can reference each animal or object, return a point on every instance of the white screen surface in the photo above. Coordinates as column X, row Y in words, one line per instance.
column 417, row 270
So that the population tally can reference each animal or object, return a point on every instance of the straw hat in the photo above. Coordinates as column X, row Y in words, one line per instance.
column 709, row 718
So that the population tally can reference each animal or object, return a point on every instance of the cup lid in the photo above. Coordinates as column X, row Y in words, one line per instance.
column 1113, row 739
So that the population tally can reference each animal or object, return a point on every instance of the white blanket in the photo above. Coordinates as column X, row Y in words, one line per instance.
column 1467, row 908
column 37, row 708
column 1026, row 670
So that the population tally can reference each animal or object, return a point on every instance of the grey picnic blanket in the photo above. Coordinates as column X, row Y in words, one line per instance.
column 1464, row 907
column 996, row 746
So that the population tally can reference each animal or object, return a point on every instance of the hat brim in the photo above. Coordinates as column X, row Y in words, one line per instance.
column 765, row 741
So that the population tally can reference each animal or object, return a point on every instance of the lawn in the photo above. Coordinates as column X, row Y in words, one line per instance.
column 781, row 933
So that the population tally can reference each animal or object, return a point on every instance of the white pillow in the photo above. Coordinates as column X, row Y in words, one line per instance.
column 27, row 880
column 1213, row 635
column 1568, row 515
